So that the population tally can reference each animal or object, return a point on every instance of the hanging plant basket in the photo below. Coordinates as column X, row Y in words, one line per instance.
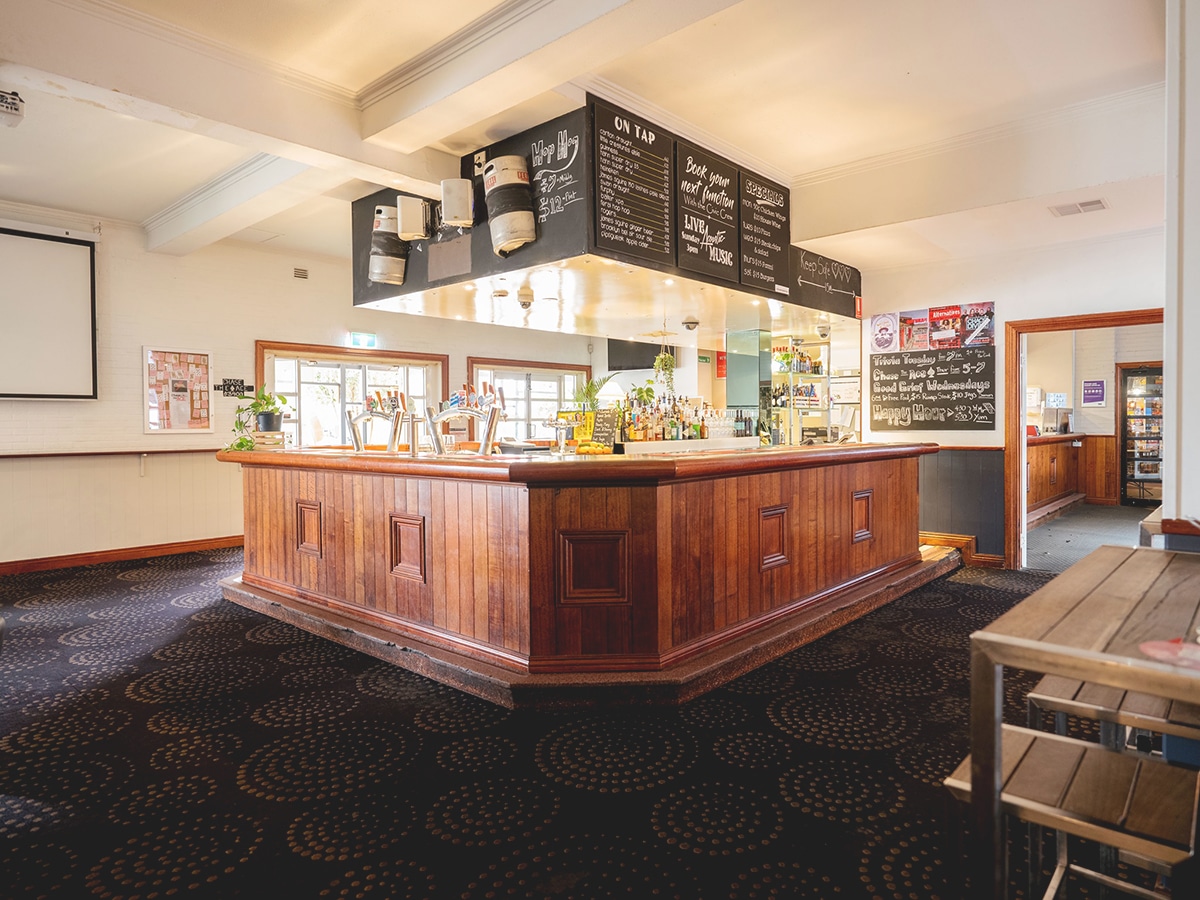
column 664, row 370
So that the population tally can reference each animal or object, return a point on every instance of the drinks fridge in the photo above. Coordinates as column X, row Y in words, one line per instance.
column 1140, row 436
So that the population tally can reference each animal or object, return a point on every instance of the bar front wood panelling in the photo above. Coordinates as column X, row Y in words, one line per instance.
column 625, row 629
column 630, row 567
column 1099, row 469
column 473, row 584
column 1053, row 468
column 698, row 520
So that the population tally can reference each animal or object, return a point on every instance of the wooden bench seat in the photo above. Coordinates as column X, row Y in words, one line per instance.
column 1145, row 808
column 1067, row 696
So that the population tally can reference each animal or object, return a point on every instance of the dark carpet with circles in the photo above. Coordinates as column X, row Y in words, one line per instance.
column 157, row 741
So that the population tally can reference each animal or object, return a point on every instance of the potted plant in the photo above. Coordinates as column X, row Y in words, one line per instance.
column 264, row 409
column 644, row 395
column 587, row 395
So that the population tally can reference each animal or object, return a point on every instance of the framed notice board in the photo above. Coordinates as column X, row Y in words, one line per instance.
column 952, row 389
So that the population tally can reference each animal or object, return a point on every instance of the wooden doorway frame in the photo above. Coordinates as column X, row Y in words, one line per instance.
column 1014, row 403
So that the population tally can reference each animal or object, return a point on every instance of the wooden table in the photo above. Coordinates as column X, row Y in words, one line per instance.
column 1087, row 624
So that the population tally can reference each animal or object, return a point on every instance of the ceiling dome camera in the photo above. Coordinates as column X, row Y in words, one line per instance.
column 823, row 332
column 691, row 324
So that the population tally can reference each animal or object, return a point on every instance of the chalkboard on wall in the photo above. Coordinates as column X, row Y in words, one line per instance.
column 765, row 234
column 819, row 282
column 706, row 212
column 634, row 174
column 934, row 390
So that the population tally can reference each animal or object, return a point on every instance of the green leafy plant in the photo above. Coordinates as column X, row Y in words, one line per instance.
column 664, row 370
column 587, row 395
column 243, row 417
column 644, row 394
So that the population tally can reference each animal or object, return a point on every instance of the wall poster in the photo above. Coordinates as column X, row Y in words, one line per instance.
column 945, row 327
column 914, row 329
column 1093, row 393
column 978, row 324
column 178, row 390
column 884, row 333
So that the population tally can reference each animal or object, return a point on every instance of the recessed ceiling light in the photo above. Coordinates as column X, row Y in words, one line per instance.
column 458, row 317
column 754, row 303
column 469, row 287
column 669, row 281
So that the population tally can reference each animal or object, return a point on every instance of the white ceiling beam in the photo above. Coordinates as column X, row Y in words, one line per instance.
column 1113, row 139
column 127, row 63
column 240, row 198
column 522, row 49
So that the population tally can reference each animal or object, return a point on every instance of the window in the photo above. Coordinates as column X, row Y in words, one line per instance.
column 533, row 392
column 322, row 384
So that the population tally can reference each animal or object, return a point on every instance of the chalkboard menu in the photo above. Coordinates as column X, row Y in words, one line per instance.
column 935, row 390
column 706, row 212
column 605, row 430
column 819, row 282
column 557, row 169
column 633, row 185
column 765, row 234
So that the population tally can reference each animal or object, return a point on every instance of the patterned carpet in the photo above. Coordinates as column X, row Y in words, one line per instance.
column 157, row 741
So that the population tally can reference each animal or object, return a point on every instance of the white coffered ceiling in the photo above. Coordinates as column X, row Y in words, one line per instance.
column 909, row 132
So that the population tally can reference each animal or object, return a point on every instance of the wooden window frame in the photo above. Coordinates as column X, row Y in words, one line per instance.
column 475, row 363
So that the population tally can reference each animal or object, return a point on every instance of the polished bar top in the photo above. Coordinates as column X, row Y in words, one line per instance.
column 647, row 468
column 1053, row 438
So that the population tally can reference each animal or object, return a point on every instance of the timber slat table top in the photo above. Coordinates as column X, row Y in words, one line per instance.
column 1104, row 607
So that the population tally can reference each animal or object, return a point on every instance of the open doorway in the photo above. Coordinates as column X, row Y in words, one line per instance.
column 1065, row 450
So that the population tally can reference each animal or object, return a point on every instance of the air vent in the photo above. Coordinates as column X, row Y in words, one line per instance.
column 1074, row 209
column 302, row 274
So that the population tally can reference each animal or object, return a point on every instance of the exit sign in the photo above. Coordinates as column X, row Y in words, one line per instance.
column 703, row 359
column 362, row 339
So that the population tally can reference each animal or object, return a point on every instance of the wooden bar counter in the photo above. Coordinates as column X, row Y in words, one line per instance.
column 503, row 573
column 1051, row 468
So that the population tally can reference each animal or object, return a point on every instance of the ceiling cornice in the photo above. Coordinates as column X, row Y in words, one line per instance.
column 639, row 105
column 1064, row 115
column 210, row 190
column 55, row 218
column 446, row 51
column 133, row 20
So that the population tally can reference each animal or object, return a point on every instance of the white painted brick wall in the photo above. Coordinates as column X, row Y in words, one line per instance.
column 1095, row 355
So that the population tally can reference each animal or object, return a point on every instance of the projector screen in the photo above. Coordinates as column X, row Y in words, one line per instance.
column 47, row 316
